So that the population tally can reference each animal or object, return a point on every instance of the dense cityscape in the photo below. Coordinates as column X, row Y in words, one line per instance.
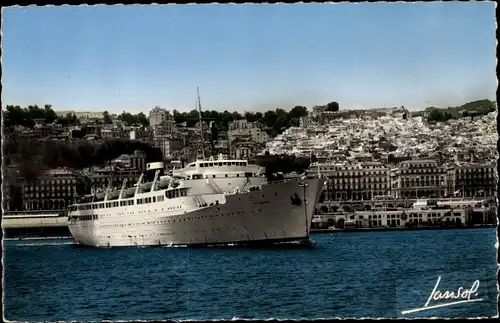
column 379, row 159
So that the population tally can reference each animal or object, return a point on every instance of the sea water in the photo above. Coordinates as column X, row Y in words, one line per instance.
column 362, row 274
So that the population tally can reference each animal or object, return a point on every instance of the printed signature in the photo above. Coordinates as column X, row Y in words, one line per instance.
column 460, row 296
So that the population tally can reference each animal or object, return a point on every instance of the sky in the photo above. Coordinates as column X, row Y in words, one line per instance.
column 251, row 57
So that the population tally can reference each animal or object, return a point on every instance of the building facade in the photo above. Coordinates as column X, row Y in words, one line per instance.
column 355, row 182
column 54, row 190
column 245, row 149
column 419, row 178
column 158, row 116
column 168, row 145
column 257, row 135
column 474, row 179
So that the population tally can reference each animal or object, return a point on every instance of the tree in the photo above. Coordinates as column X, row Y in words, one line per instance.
column 298, row 111
column 142, row 119
column 294, row 122
column 250, row 116
column 179, row 117
column 126, row 117
column 332, row 106
column 269, row 118
column 17, row 116
column 106, row 118
column 50, row 115
column 68, row 120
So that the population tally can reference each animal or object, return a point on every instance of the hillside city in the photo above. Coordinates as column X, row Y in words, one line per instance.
column 389, row 154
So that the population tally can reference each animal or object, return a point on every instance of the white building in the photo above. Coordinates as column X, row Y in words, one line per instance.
column 158, row 116
column 239, row 124
column 82, row 115
column 255, row 134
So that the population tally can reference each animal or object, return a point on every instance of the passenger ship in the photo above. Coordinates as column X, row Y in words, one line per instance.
column 209, row 202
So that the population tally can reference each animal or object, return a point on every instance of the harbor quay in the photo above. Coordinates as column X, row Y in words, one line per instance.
column 39, row 224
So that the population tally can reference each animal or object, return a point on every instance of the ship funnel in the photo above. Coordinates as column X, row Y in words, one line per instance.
column 154, row 166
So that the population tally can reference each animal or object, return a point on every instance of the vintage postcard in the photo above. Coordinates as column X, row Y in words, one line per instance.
column 256, row 161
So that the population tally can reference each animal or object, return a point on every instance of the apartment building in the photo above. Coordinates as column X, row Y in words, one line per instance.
column 54, row 190
column 158, row 116
column 475, row 179
column 419, row 178
column 355, row 182
column 168, row 145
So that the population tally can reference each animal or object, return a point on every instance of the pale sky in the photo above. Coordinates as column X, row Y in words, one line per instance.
column 249, row 57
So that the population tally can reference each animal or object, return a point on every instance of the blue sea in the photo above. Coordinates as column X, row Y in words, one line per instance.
column 346, row 275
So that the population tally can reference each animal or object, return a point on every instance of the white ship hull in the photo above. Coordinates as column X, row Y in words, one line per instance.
column 266, row 215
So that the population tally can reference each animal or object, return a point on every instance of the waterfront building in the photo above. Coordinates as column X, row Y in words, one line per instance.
column 422, row 213
column 402, row 218
column 53, row 190
column 356, row 182
column 475, row 179
column 419, row 178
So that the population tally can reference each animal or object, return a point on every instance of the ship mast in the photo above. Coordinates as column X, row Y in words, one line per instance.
column 201, row 125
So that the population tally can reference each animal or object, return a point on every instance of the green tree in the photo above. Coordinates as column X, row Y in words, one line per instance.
column 142, row 119
column 435, row 115
column 250, row 116
column 50, row 115
column 17, row 116
column 269, row 118
column 295, row 122
column 332, row 106
column 68, row 120
column 107, row 118
column 128, row 118
column 179, row 117
column 298, row 111
column 237, row 115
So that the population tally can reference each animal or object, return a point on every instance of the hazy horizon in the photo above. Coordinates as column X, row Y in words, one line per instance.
column 249, row 57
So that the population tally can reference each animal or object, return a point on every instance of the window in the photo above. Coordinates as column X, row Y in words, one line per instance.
column 154, row 199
